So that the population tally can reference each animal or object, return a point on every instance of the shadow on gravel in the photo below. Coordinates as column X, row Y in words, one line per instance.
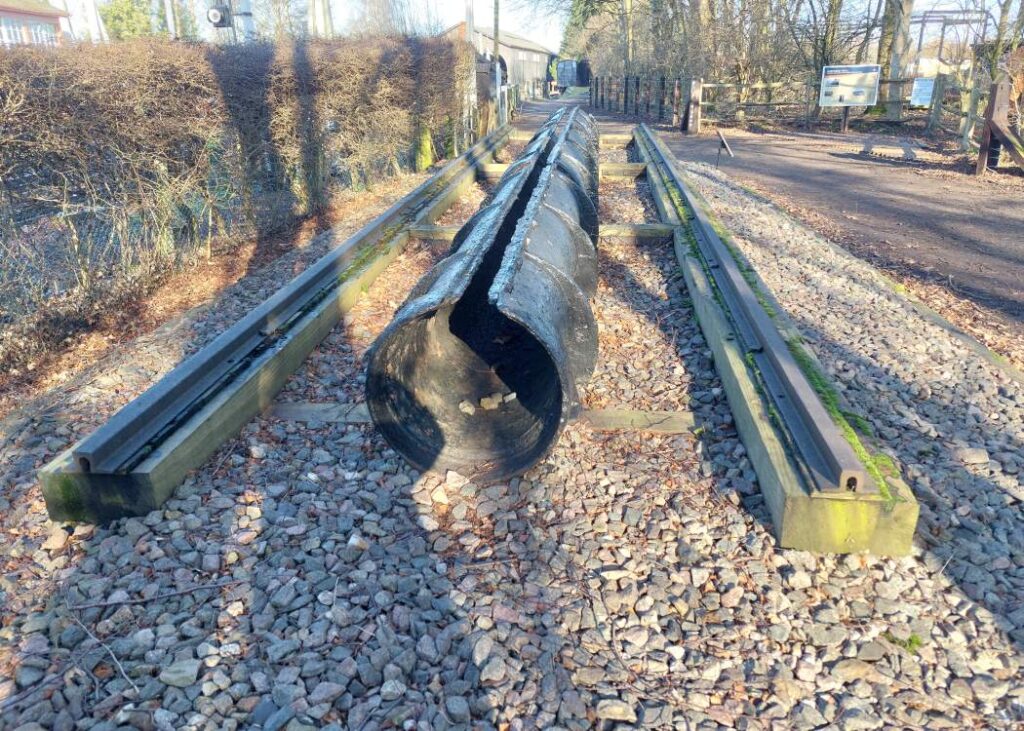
column 706, row 397
column 305, row 577
column 970, row 523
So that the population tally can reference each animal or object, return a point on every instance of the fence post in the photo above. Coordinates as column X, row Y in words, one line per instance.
column 636, row 97
column 938, row 94
column 691, row 122
column 661, row 97
column 807, row 105
column 970, row 118
column 675, row 103
column 625, row 95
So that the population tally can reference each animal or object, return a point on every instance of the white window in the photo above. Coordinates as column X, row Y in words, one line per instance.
column 10, row 32
column 43, row 35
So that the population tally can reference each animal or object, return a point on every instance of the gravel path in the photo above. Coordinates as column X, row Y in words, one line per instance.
column 308, row 578
column 628, row 580
column 626, row 201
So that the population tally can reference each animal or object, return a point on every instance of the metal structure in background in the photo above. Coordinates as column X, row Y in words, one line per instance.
column 479, row 369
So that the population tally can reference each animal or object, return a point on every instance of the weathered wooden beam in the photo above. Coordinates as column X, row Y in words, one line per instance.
column 491, row 172
column 612, row 141
column 806, row 520
column 661, row 422
column 813, row 520
column 434, row 234
column 635, row 231
column 621, row 170
column 326, row 413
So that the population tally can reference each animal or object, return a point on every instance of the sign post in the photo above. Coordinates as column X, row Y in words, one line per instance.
column 922, row 92
column 849, row 86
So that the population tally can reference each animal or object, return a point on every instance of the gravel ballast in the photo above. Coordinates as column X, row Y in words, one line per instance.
column 308, row 578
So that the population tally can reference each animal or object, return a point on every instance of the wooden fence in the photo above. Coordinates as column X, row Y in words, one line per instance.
column 689, row 103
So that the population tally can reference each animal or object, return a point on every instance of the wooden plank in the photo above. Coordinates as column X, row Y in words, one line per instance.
column 803, row 519
column 662, row 200
column 658, row 422
column 327, row 413
column 692, row 117
column 433, row 233
column 612, row 141
column 74, row 495
column 635, row 231
column 1012, row 144
column 492, row 172
column 661, row 422
column 621, row 170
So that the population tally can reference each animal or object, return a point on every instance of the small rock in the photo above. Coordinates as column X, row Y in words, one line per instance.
column 972, row 455
column 392, row 690
column 849, row 670
column 325, row 692
column 613, row 709
column 458, row 708
column 732, row 597
column 357, row 542
column 494, row 671
column 57, row 539
column 871, row 652
column 181, row 674
column 799, row 580
column 490, row 403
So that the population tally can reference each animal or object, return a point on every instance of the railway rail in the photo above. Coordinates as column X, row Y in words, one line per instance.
column 821, row 494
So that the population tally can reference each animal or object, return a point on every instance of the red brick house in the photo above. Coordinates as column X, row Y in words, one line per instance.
column 30, row 22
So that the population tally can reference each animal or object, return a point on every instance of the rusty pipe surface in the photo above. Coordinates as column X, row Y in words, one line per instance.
column 479, row 370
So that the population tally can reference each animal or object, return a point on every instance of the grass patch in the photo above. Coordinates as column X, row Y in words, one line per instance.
column 830, row 400
column 912, row 644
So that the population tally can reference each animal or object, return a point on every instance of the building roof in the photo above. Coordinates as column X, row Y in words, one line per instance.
column 33, row 7
column 508, row 39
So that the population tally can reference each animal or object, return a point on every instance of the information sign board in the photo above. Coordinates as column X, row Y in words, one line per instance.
column 849, row 86
column 921, row 94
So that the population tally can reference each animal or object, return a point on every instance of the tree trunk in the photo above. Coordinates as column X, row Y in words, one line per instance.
column 898, row 57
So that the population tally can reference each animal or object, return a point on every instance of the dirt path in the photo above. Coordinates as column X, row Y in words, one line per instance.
column 923, row 220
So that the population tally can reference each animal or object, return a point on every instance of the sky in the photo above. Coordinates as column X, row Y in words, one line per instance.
column 516, row 17
column 431, row 16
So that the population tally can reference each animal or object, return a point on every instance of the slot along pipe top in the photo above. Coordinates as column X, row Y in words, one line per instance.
column 479, row 370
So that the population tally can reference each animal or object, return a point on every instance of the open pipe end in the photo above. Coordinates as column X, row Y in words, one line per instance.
column 478, row 395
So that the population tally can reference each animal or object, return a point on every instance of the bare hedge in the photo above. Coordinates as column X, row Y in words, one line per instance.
column 118, row 160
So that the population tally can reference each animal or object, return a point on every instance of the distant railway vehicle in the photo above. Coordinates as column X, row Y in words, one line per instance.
column 572, row 73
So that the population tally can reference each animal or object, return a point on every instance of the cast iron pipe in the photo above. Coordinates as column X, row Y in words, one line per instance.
column 479, row 370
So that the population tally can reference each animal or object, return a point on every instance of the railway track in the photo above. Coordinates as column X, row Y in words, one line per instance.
column 821, row 493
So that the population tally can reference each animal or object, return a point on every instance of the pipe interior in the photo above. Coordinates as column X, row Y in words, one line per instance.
column 469, row 391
